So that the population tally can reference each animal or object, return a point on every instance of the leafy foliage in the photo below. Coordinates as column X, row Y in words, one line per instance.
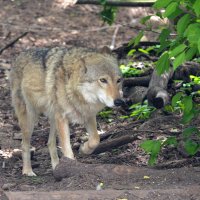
column 183, row 46
column 135, row 41
column 108, row 14
column 106, row 113
column 186, row 43
column 129, row 70
column 153, row 148
column 140, row 111
column 191, row 146
column 185, row 102
column 179, row 42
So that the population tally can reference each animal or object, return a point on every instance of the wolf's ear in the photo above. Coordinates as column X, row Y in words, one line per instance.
column 83, row 68
column 105, row 50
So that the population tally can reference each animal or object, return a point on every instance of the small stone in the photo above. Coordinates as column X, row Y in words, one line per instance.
column 27, row 187
column 8, row 186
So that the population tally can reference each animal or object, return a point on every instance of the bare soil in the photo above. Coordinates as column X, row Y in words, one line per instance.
column 176, row 175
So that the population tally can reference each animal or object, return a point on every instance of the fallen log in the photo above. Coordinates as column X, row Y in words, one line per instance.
column 114, row 143
column 68, row 168
column 187, row 69
column 137, row 81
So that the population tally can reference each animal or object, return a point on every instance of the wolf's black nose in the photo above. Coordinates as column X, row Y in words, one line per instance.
column 118, row 102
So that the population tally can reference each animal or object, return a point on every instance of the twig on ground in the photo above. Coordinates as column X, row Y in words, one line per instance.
column 112, row 46
column 177, row 163
column 12, row 42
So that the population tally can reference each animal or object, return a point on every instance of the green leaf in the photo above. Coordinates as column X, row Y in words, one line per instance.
column 163, row 63
column 196, row 7
column 124, row 117
column 187, row 117
column 147, row 145
column 153, row 148
column 195, row 79
column 131, row 42
column 131, row 52
column 183, row 23
column 164, row 35
column 188, row 104
column 192, row 33
column 143, row 51
column 191, row 147
column 163, row 47
column 156, row 149
column 135, row 41
column 171, row 141
column 179, row 60
column 145, row 19
column 152, row 160
column 190, row 53
column 176, row 98
column 189, row 131
column 177, row 50
column 103, row 2
column 161, row 4
column 138, row 38
column 172, row 10
column 198, row 45
column 108, row 14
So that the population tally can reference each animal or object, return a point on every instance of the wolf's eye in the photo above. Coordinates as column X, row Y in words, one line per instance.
column 103, row 80
column 119, row 80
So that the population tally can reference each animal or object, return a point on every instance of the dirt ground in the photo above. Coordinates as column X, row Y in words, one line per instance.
column 176, row 176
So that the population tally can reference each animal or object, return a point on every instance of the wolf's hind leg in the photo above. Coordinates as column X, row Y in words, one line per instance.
column 52, row 144
column 94, row 139
column 26, row 117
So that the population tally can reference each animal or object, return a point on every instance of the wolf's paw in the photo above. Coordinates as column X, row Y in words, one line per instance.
column 54, row 163
column 29, row 173
column 85, row 150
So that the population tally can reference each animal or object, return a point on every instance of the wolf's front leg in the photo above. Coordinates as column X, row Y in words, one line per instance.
column 94, row 139
column 52, row 144
column 62, row 125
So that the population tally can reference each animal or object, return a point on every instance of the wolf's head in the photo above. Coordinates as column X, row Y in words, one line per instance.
column 101, row 80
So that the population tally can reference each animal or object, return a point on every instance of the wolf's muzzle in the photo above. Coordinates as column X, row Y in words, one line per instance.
column 118, row 102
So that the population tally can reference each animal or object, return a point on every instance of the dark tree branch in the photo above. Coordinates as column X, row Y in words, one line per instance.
column 114, row 143
column 116, row 3
column 137, row 81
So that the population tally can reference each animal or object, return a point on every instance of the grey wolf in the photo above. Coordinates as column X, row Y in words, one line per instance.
column 68, row 86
